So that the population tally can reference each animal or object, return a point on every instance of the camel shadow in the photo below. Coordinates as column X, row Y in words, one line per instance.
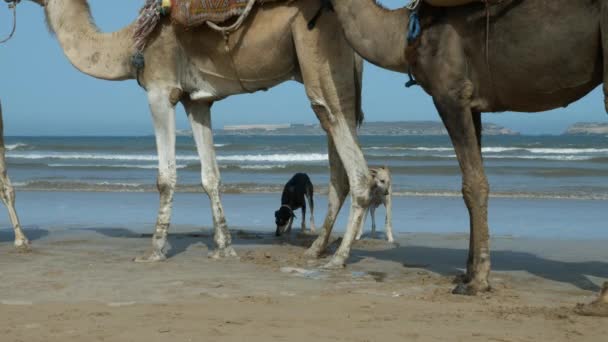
column 180, row 242
column 33, row 234
column 450, row 261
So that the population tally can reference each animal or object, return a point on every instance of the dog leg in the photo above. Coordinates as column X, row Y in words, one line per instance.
column 388, row 223
column 311, row 204
column 373, row 212
column 303, row 217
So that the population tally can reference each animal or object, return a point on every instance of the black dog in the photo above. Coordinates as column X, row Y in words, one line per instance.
column 298, row 187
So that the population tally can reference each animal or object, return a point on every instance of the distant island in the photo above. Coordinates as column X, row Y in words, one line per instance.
column 398, row 128
column 587, row 128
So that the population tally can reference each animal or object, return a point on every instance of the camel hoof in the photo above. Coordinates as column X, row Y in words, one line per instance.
column 23, row 246
column 469, row 289
column 595, row 309
column 312, row 253
column 223, row 253
column 336, row 263
column 153, row 257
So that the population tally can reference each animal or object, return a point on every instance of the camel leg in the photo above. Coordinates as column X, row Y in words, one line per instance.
column 199, row 114
column 163, row 116
column 372, row 211
column 388, row 222
column 7, row 194
column 338, row 189
column 600, row 306
column 332, row 82
column 360, row 232
column 464, row 128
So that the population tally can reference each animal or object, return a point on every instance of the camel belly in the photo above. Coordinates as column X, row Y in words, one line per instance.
column 259, row 55
column 543, row 63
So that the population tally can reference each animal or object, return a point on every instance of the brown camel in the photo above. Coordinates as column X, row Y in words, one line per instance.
column 7, row 194
column 198, row 66
column 542, row 55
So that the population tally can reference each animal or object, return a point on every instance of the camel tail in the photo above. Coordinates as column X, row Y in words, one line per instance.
column 359, row 89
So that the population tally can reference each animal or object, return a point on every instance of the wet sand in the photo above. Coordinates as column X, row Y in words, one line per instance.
column 79, row 284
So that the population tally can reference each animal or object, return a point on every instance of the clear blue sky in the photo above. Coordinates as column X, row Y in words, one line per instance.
column 43, row 94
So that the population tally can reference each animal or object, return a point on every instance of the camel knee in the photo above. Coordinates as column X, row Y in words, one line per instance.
column 326, row 119
column 476, row 189
column 165, row 182
column 8, row 194
column 211, row 183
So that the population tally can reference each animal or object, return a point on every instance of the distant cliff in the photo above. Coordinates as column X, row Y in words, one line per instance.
column 368, row 128
column 588, row 128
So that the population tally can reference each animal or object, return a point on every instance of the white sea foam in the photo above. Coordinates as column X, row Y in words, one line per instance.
column 11, row 147
column 126, row 166
column 567, row 150
column 262, row 167
column 288, row 157
column 535, row 157
column 93, row 156
column 498, row 149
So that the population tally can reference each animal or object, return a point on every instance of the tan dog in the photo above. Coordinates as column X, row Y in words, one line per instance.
column 381, row 194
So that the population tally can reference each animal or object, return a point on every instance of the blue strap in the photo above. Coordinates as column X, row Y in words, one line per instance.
column 414, row 28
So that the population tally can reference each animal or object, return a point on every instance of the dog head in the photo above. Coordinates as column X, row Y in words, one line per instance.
column 282, row 217
column 381, row 178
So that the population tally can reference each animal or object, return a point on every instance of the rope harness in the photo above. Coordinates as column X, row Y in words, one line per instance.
column 12, row 5
column 415, row 31
column 151, row 14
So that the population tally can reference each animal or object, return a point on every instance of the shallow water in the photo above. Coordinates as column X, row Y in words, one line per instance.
column 560, row 219
column 573, row 167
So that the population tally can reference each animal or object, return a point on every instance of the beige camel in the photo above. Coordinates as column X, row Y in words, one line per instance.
column 542, row 55
column 7, row 194
column 197, row 67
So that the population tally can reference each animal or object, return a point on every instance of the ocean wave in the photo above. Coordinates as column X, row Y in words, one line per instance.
column 537, row 157
column 497, row 149
column 252, row 188
column 288, row 157
column 12, row 147
column 567, row 150
column 91, row 156
column 111, row 166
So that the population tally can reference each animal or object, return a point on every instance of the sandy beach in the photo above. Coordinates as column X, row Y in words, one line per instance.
column 79, row 284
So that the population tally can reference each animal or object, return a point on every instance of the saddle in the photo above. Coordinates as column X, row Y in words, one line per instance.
column 191, row 13
column 452, row 3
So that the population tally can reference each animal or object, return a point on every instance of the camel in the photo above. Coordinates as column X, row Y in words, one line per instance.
column 198, row 66
column 537, row 55
column 7, row 194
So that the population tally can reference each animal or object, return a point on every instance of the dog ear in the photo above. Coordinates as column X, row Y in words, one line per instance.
column 291, row 188
column 276, row 214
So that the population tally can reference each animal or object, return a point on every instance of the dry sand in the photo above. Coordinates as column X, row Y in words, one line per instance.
column 80, row 285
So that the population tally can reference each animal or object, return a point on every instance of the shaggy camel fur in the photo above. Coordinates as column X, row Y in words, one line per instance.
column 538, row 55
column 7, row 193
column 198, row 66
